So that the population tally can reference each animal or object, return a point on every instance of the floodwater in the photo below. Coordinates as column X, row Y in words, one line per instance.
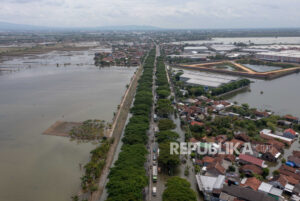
column 262, row 68
column 247, row 40
column 46, row 88
column 280, row 95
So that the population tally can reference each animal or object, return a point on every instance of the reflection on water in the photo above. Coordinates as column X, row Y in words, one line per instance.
column 37, row 167
column 280, row 95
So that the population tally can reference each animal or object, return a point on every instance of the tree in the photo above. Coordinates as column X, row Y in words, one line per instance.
column 178, row 189
column 166, row 124
column 265, row 172
column 163, row 93
column 169, row 162
column 276, row 173
column 164, row 107
column 166, row 136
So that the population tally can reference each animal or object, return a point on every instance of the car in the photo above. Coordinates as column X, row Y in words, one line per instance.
column 154, row 191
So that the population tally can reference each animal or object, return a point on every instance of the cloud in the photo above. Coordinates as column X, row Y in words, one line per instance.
column 163, row 13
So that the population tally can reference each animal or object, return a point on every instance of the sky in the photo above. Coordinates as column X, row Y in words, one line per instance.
column 161, row 13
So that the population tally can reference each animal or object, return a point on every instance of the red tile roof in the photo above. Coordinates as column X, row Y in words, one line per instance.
column 290, row 117
column 290, row 131
column 208, row 159
column 253, row 168
column 288, row 168
column 253, row 183
column 193, row 123
column 284, row 179
column 251, row 159
column 296, row 153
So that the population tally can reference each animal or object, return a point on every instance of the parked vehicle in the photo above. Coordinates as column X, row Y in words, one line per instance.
column 154, row 173
column 289, row 163
column 154, row 191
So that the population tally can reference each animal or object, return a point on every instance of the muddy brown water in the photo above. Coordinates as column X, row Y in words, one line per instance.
column 37, row 167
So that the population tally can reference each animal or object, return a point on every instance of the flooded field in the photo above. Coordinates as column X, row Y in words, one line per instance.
column 62, row 86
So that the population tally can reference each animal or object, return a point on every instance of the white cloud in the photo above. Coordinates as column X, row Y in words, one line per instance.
column 163, row 13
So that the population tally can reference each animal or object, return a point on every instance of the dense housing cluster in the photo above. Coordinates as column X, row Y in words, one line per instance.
column 122, row 55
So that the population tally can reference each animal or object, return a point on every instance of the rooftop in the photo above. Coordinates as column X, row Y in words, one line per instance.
column 285, row 53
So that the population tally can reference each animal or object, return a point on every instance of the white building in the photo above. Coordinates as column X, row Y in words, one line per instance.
column 283, row 56
column 207, row 184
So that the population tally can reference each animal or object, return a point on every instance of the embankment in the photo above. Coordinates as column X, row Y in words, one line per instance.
column 117, row 129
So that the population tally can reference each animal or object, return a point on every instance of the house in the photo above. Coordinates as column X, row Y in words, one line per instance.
column 219, row 107
column 271, row 190
column 241, row 193
column 197, row 123
column 267, row 134
column 237, row 142
column 288, row 173
column 242, row 136
column 207, row 160
column 247, row 159
column 267, row 152
column 284, row 123
column 251, row 182
column 216, row 169
column 262, row 114
column 294, row 160
column 296, row 189
column 190, row 101
column 284, row 182
column 292, row 119
column 275, row 143
column 207, row 184
column 296, row 153
column 221, row 138
column 250, row 170
column 290, row 133
column 288, row 168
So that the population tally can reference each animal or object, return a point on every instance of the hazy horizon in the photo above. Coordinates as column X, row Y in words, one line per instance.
column 172, row 14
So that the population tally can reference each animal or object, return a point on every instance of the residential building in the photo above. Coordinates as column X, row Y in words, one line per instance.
column 247, row 159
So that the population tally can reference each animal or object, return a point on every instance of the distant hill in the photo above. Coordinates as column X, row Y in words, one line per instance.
column 5, row 26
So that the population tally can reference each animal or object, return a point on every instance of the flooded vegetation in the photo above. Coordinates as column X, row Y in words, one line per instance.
column 91, row 129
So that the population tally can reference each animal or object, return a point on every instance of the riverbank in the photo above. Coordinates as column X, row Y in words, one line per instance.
column 234, row 91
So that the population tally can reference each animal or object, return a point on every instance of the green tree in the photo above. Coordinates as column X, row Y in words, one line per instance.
column 168, row 161
column 166, row 136
column 178, row 189
column 166, row 124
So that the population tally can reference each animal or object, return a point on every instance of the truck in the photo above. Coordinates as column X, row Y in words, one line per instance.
column 154, row 173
